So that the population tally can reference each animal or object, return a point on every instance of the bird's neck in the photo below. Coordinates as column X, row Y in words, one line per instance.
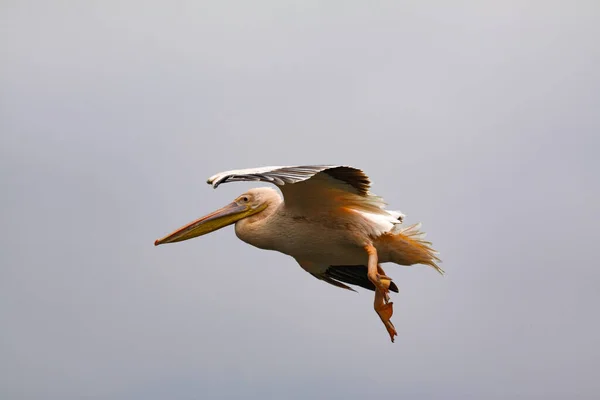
column 258, row 229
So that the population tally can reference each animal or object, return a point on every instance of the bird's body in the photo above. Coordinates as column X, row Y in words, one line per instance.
column 299, row 235
column 327, row 220
column 321, row 238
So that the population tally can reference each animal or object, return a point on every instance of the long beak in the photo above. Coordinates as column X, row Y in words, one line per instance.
column 216, row 220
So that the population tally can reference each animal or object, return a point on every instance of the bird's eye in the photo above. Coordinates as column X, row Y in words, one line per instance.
column 245, row 199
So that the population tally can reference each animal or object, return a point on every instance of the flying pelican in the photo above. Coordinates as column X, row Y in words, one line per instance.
column 328, row 221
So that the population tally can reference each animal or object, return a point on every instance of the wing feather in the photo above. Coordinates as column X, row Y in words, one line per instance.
column 355, row 179
column 353, row 275
column 337, row 275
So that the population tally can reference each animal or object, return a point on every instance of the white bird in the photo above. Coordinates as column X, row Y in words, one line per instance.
column 328, row 221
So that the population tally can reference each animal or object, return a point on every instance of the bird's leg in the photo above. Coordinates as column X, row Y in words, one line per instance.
column 386, row 282
column 380, row 280
column 382, row 306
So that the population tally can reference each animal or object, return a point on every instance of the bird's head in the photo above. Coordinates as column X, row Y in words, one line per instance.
column 247, row 204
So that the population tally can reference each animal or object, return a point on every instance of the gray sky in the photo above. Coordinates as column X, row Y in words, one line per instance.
column 479, row 119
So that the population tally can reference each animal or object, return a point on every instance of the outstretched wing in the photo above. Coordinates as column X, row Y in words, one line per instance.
column 316, row 189
column 340, row 177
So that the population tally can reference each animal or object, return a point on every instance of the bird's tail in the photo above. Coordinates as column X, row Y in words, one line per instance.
column 406, row 246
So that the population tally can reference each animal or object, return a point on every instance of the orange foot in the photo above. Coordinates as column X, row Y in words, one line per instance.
column 384, row 308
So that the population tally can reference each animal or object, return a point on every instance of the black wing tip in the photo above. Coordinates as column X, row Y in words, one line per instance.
column 352, row 176
column 355, row 275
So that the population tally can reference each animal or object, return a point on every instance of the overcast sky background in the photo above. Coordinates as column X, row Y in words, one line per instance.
column 479, row 119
